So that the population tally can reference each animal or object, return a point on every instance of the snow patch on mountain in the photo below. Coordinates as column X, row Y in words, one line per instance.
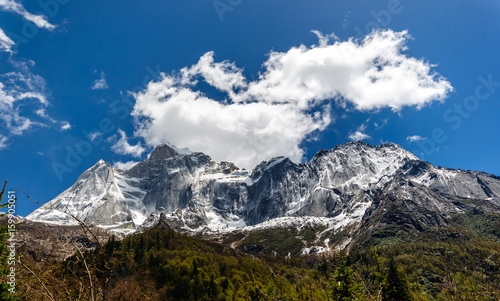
column 192, row 192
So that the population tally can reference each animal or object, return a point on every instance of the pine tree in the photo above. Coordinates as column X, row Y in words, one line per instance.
column 394, row 287
column 344, row 286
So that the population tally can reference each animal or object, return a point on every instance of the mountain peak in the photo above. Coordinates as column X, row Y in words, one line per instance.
column 167, row 150
column 368, row 145
column 339, row 184
column 98, row 165
column 353, row 147
column 102, row 169
column 163, row 151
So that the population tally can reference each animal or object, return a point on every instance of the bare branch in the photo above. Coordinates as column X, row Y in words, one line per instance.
column 88, row 271
column 49, row 295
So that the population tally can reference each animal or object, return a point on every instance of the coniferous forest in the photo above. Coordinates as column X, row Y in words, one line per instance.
column 461, row 262
column 161, row 264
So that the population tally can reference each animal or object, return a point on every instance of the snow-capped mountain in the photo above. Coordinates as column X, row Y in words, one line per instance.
column 336, row 188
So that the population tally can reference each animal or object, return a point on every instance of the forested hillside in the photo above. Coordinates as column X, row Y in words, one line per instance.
column 161, row 264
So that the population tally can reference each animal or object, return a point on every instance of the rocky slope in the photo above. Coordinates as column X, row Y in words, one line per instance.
column 339, row 189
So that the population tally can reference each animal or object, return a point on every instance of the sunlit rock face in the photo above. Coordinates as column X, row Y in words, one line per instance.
column 190, row 191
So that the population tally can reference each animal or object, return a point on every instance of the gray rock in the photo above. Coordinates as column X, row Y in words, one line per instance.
column 347, row 184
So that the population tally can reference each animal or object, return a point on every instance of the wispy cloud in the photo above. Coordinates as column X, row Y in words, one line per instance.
column 358, row 136
column 15, row 87
column 380, row 125
column 290, row 100
column 323, row 39
column 94, row 135
column 122, row 146
column 100, row 83
column 415, row 138
column 15, row 7
column 42, row 112
column 65, row 126
column 3, row 141
column 6, row 43
column 346, row 19
column 22, row 91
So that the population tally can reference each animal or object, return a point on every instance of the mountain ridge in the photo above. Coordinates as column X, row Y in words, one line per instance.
column 337, row 189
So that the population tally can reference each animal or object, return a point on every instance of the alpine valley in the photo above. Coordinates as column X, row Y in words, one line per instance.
column 357, row 222
column 352, row 196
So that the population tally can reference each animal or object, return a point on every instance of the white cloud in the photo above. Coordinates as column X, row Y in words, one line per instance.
column 358, row 136
column 22, row 91
column 6, row 43
column 415, row 138
column 122, row 146
column 38, row 20
column 371, row 73
column 94, row 135
column 20, row 88
column 10, row 115
column 100, row 84
column 291, row 99
column 3, row 141
column 65, row 126
column 224, row 76
column 37, row 95
column 324, row 39
column 382, row 124
column 16, row 89
column 244, row 133
column 42, row 112
column 125, row 165
column 362, row 127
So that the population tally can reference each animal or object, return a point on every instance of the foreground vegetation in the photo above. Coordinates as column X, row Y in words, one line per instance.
column 164, row 265
column 461, row 262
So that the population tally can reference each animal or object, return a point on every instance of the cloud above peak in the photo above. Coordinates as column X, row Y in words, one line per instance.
column 123, row 147
column 372, row 73
column 243, row 133
column 291, row 99
column 415, row 138
column 359, row 136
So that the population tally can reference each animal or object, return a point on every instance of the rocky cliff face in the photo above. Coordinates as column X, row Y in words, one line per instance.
column 344, row 186
column 100, row 196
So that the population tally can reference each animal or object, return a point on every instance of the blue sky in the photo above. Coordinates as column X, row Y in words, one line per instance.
column 69, row 72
